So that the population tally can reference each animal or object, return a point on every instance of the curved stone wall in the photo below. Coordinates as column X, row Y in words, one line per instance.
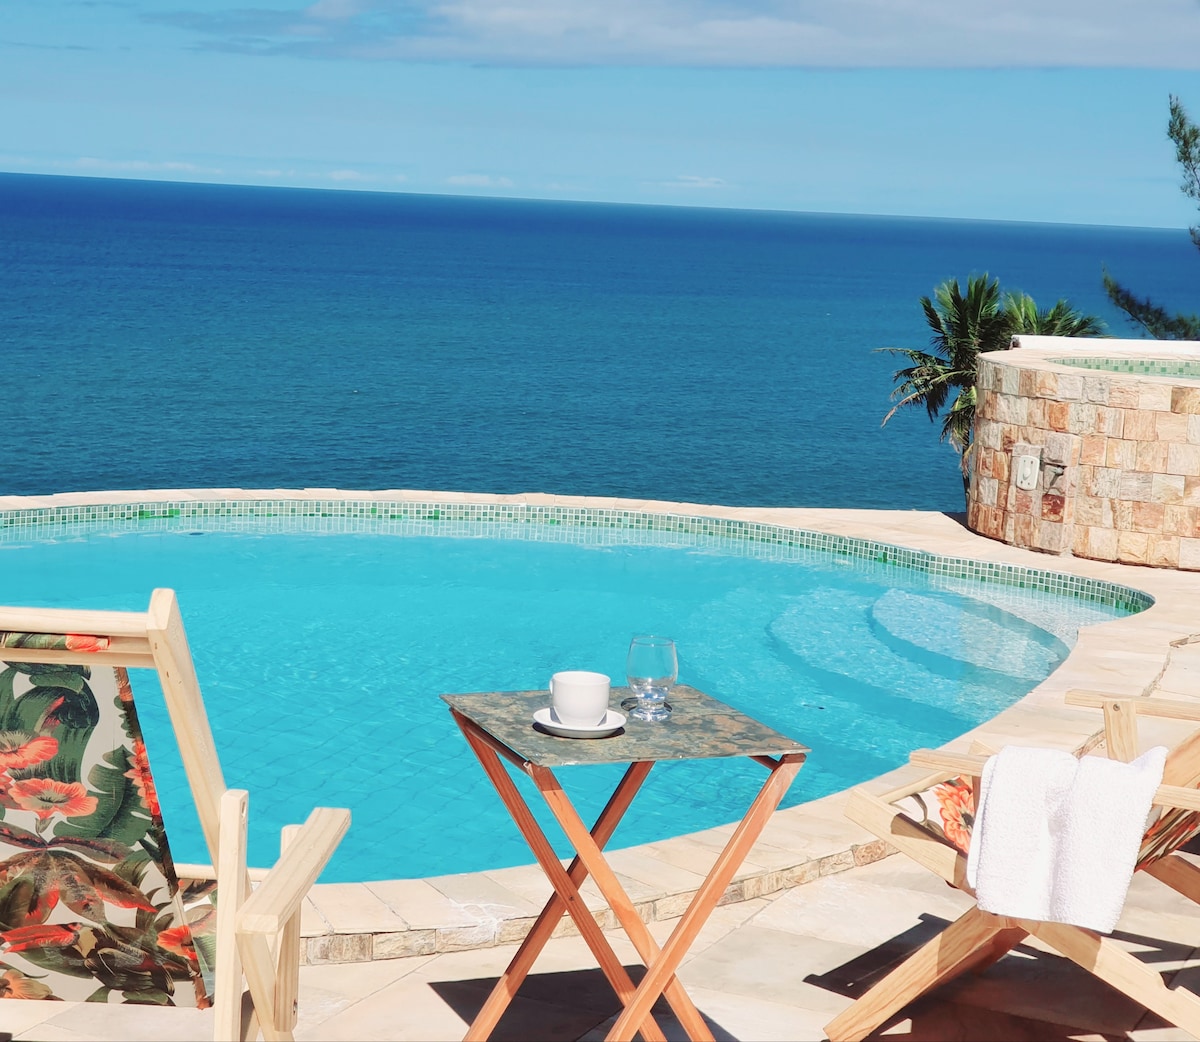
column 1090, row 448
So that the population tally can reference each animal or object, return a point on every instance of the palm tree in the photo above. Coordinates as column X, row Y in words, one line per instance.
column 964, row 325
column 1059, row 320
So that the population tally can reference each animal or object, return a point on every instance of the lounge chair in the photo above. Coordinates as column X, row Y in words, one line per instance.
column 92, row 906
column 930, row 821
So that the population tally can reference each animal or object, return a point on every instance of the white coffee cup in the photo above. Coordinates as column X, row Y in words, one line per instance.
column 579, row 698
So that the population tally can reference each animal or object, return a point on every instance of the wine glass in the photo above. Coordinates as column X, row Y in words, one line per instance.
column 650, row 669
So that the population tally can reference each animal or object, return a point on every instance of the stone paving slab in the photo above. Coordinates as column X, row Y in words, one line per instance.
column 765, row 969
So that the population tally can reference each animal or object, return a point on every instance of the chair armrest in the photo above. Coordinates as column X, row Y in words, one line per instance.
column 276, row 899
column 1177, row 796
column 1168, row 708
column 951, row 763
column 200, row 873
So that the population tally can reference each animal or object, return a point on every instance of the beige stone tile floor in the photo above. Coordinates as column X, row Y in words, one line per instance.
column 769, row 968
column 781, row 959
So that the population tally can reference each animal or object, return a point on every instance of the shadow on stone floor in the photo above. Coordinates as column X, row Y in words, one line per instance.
column 857, row 976
column 552, row 1006
column 942, row 1016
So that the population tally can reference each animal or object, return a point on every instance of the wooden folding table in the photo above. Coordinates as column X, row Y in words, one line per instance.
column 500, row 724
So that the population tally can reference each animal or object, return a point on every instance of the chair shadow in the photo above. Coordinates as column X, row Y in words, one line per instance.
column 938, row 1017
column 566, row 1005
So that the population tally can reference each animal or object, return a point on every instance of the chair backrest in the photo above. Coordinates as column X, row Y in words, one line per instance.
column 90, row 906
column 947, row 809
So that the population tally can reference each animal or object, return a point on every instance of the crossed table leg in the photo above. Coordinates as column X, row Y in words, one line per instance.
column 661, row 964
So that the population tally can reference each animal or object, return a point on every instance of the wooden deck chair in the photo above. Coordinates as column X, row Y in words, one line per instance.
column 91, row 904
column 930, row 821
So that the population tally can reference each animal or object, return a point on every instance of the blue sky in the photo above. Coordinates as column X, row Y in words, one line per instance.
column 1040, row 110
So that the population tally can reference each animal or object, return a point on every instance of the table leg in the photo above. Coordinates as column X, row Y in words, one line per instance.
column 618, row 900
column 682, row 937
column 518, row 969
column 566, row 889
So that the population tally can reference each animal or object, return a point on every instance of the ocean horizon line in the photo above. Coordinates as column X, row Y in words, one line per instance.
column 353, row 189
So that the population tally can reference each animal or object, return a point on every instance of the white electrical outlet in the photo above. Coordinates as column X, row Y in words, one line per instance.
column 1027, row 472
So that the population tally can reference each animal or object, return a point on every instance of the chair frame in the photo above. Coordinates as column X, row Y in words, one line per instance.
column 258, row 933
column 978, row 939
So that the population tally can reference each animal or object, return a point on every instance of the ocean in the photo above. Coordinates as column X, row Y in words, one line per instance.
column 165, row 335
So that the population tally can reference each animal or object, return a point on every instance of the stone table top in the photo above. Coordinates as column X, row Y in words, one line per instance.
column 700, row 727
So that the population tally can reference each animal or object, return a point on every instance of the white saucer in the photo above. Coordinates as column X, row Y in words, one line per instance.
column 547, row 721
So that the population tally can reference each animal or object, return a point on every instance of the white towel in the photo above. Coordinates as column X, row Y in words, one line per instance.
column 1056, row 838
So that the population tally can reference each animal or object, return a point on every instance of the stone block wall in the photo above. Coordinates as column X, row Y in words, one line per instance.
column 1118, row 456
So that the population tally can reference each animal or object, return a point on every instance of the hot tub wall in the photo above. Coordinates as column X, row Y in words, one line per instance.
column 1119, row 458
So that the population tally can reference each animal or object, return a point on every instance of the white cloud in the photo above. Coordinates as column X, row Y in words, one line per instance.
column 691, row 181
column 137, row 166
column 846, row 33
column 479, row 181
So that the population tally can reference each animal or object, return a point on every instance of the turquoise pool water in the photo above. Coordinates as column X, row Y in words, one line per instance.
column 321, row 657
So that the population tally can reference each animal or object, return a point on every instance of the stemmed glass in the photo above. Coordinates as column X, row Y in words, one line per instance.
column 651, row 668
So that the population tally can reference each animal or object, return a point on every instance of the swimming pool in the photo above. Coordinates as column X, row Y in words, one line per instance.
column 843, row 644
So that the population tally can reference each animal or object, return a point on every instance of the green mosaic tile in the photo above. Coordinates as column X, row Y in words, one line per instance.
column 1185, row 368
column 594, row 525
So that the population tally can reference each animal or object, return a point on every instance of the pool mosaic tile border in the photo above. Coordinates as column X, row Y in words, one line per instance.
column 603, row 525
column 1183, row 368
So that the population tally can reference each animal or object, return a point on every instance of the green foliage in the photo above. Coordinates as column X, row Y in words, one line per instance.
column 964, row 325
column 1142, row 311
column 119, row 815
column 1060, row 320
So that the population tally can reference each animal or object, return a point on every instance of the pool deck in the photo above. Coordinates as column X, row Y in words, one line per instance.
column 770, row 963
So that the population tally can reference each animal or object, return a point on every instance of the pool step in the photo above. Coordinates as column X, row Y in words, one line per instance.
column 944, row 634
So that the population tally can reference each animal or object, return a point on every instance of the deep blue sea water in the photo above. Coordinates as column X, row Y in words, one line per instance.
column 174, row 335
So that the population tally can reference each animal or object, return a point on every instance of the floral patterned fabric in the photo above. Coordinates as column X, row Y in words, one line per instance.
column 53, row 641
column 89, row 905
column 948, row 811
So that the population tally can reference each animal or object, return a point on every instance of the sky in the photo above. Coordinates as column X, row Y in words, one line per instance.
column 1027, row 110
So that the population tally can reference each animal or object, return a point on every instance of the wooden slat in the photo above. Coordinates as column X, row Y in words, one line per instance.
column 1167, row 708
column 1120, row 730
column 260, row 976
column 278, row 897
column 181, row 690
column 73, row 620
column 1177, row 796
column 80, row 658
column 919, row 784
column 950, row 763
column 1180, row 875
column 950, row 953
column 1183, row 762
column 231, row 875
column 907, row 836
column 185, row 870
column 287, row 951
